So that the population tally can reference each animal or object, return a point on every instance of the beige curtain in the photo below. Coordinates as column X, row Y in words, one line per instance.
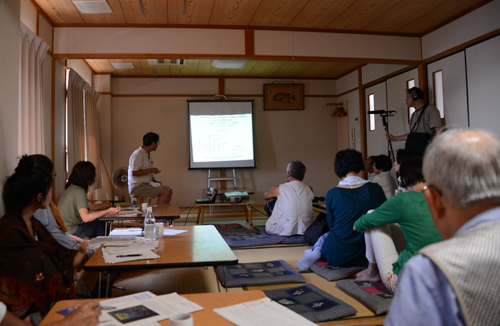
column 92, row 129
column 30, row 131
column 76, row 122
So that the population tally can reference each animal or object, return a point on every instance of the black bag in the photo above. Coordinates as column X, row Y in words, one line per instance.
column 316, row 229
column 417, row 141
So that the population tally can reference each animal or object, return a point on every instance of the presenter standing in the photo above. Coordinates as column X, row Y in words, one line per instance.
column 424, row 123
column 141, row 182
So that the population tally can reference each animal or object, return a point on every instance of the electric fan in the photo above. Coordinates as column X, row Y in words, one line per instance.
column 120, row 181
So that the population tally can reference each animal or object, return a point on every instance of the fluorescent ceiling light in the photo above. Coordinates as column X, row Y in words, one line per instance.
column 229, row 64
column 123, row 65
column 92, row 6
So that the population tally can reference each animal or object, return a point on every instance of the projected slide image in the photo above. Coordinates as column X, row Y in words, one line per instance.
column 222, row 138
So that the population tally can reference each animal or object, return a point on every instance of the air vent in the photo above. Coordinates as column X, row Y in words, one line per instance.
column 167, row 62
column 123, row 65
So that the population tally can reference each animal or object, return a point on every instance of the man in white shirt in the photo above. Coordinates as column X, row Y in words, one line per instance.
column 141, row 182
column 292, row 212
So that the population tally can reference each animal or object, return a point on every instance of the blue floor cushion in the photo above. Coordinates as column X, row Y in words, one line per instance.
column 312, row 303
column 332, row 273
column 254, row 274
column 374, row 295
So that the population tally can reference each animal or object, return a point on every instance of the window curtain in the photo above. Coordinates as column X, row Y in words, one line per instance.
column 92, row 129
column 30, row 131
column 76, row 122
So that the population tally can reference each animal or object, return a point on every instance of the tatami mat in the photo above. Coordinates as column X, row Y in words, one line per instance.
column 163, row 281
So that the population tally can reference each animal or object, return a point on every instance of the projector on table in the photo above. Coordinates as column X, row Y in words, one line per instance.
column 236, row 196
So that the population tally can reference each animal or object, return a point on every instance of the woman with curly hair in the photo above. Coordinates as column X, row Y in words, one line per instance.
column 35, row 270
column 74, row 205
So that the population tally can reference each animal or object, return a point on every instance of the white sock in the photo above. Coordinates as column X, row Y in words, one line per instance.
column 307, row 251
column 310, row 258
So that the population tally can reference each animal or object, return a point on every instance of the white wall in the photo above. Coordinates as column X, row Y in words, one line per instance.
column 483, row 81
column 373, row 71
column 309, row 135
column 475, row 24
column 82, row 69
column 454, row 88
column 9, row 80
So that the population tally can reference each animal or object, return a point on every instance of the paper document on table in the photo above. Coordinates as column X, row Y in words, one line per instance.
column 145, row 312
column 129, row 298
column 126, row 231
column 172, row 232
column 127, row 250
column 262, row 312
column 136, row 244
column 100, row 240
column 131, row 255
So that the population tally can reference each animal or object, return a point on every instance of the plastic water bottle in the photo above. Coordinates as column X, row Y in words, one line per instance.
column 149, row 225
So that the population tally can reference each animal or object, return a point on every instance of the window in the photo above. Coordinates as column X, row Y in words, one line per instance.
column 409, row 84
column 437, row 80
column 371, row 107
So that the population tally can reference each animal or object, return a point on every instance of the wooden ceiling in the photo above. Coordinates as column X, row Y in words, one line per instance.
column 393, row 17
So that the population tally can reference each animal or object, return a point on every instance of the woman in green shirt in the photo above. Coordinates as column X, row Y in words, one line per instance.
column 389, row 246
column 74, row 205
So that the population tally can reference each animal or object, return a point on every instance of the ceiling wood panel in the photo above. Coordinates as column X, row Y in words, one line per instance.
column 233, row 12
column 396, row 17
column 277, row 14
column 319, row 14
column 402, row 14
column 61, row 12
column 442, row 13
column 361, row 13
column 197, row 12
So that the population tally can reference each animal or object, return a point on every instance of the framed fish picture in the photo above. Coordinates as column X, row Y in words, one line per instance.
column 283, row 97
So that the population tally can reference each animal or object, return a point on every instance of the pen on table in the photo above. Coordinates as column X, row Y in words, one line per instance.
column 134, row 255
column 98, row 307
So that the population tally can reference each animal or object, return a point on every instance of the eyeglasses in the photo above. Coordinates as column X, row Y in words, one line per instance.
column 435, row 188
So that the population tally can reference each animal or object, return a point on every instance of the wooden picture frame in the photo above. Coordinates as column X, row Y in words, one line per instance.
column 283, row 97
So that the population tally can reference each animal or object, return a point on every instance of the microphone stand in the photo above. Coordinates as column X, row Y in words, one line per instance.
column 385, row 122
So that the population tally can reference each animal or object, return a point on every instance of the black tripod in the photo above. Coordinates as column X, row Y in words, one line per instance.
column 385, row 114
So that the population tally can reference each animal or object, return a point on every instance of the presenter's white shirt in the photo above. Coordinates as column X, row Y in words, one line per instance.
column 293, row 212
column 139, row 160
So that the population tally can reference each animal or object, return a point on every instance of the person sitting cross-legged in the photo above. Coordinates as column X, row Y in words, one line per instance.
column 382, row 166
column 389, row 245
column 290, row 207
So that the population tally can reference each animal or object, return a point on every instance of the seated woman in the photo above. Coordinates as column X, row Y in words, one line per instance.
column 382, row 166
column 74, row 205
column 353, row 197
column 35, row 270
column 384, row 240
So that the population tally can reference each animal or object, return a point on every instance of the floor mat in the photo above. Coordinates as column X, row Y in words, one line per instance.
column 262, row 273
column 331, row 273
column 311, row 303
column 290, row 239
column 373, row 295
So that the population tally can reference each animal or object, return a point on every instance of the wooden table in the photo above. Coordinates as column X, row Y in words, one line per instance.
column 247, row 204
column 209, row 301
column 201, row 246
column 164, row 211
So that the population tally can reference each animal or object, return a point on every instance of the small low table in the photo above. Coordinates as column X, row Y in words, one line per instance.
column 247, row 204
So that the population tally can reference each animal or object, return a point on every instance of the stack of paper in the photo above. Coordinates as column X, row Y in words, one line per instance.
column 262, row 312
column 126, row 231
column 144, row 308
column 118, row 252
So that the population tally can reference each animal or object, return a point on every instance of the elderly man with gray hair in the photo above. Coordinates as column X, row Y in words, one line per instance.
column 456, row 282
column 290, row 208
